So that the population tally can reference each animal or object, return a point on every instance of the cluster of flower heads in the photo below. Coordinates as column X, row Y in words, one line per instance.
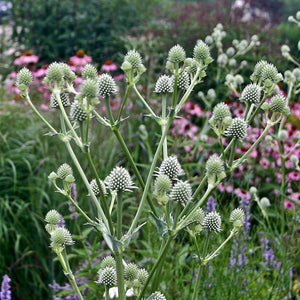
column 5, row 293
column 134, row 277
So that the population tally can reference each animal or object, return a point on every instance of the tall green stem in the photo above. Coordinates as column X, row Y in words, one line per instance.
column 163, row 124
column 144, row 101
column 120, row 275
column 128, row 88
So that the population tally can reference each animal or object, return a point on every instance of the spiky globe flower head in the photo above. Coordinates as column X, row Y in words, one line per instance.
column 192, row 65
column 214, row 166
column 237, row 217
column 108, row 261
column 142, row 276
column 64, row 98
column 181, row 192
column 201, row 51
column 183, row 81
column 294, row 159
column 89, row 89
column 251, row 93
column 24, row 78
column 107, row 276
column 283, row 135
column 176, row 54
column 107, row 85
column 220, row 112
column 162, row 184
column 77, row 113
column 171, row 167
column 89, row 71
column 237, row 129
column 55, row 72
column 134, row 58
column 212, row 222
column 68, row 74
column 211, row 94
column 63, row 171
column 197, row 216
column 130, row 272
column 60, row 237
column 269, row 72
column 119, row 179
column 278, row 104
column 95, row 187
column 164, row 84
column 157, row 296
column 52, row 217
column 257, row 73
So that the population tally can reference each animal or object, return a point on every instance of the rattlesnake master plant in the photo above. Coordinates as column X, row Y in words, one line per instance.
column 177, row 201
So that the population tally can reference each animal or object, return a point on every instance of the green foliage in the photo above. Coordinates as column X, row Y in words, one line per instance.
column 57, row 29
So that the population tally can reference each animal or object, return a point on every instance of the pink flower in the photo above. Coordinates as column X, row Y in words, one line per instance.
column 119, row 77
column 80, row 59
column 295, row 196
column 242, row 194
column 294, row 176
column 264, row 163
column 109, row 66
column 289, row 204
column 193, row 109
column 26, row 58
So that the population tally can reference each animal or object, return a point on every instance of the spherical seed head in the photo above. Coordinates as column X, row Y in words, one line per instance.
column 211, row 94
column 278, row 103
column 65, row 100
column 164, row 84
column 107, row 85
column 55, row 72
column 61, row 237
column 119, row 179
column 183, row 81
column 89, row 71
column 130, row 272
column 221, row 111
column 201, row 51
column 251, row 93
column 24, row 78
column 214, row 165
column 269, row 71
column 68, row 74
column 237, row 215
column 134, row 58
column 181, row 192
column 171, row 167
column 197, row 216
column 107, row 276
column 176, row 54
column 162, row 184
column 157, row 296
column 108, row 261
column 77, row 113
column 237, row 129
column 257, row 73
column 64, row 170
column 95, row 187
column 52, row 217
column 285, row 49
column 283, row 135
column 212, row 222
column 89, row 88
column 142, row 276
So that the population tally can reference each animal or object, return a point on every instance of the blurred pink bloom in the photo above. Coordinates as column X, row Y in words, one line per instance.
column 119, row 77
column 242, row 194
column 109, row 66
column 294, row 176
column 13, row 75
column 26, row 58
column 264, row 163
column 80, row 59
column 193, row 109
column 289, row 204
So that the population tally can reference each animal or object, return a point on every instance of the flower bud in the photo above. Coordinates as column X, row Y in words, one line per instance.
column 130, row 272
column 253, row 190
column 89, row 71
column 214, row 166
column 69, row 179
column 164, row 84
column 176, row 54
column 238, row 79
column 107, row 276
column 61, row 237
column 283, row 135
column 212, row 222
column 257, row 73
column 52, row 176
column 24, row 79
column 55, row 72
column 211, row 94
column 269, row 72
column 237, row 129
column 201, row 51
column 162, row 184
column 251, row 93
column 230, row 51
column 237, row 217
column 77, row 113
column 52, row 217
column 197, row 216
column 295, row 159
column 171, row 167
column 64, row 170
column 89, row 89
column 108, row 261
column 68, row 74
column 221, row 111
column 106, row 85
column 134, row 58
column 278, row 103
column 181, row 192
column 119, row 179
column 264, row 202
column 142, row 276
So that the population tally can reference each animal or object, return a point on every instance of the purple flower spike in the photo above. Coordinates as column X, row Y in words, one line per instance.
column 5, row 288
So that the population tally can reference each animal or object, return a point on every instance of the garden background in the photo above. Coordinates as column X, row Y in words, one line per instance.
column 262, row 263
